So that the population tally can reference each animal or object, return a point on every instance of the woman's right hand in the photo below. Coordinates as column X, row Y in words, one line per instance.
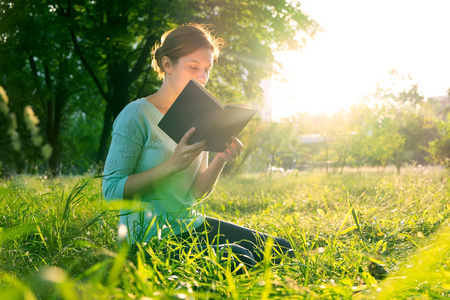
column 185, row 154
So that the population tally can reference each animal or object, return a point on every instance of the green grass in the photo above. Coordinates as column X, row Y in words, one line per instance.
column 58, row 240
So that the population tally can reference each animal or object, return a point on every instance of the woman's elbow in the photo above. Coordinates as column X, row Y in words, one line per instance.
column 112, row 189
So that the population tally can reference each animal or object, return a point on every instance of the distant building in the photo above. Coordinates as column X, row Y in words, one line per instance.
column 320, row 138
column 312, row 139
column 440, row 99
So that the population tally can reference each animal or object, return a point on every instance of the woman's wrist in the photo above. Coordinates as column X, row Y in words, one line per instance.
column 220, row 159
column 171, row 167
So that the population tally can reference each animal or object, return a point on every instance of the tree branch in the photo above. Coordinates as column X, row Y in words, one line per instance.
column 48, row 81
column 88, row 67
column 33, row 65
column 140, row 63
column 144, row 83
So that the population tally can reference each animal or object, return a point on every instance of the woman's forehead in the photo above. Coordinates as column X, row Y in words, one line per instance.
column 200, row 56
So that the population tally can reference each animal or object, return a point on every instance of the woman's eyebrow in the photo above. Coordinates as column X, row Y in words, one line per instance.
column 194, row 61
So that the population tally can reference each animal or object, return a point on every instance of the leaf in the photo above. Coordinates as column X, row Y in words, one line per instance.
column 348, row 229
column 378, row 262
column 14, row 232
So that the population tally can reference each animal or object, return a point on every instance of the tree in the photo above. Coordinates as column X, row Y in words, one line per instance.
column 359, row 140
column 38, row 66
column 19, row 138
column 271, row 144
column 332, row 133
column 68, row 47
column 409, row 126
column 440, row 148
column 113, row 40
column 116, row 38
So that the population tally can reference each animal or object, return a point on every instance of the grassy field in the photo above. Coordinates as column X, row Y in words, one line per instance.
column 368, row 235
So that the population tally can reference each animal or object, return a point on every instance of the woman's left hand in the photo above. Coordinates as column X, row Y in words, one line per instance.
column 233, row 150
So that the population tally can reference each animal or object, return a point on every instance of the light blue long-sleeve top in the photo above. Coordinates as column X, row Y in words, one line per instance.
column 138, row 144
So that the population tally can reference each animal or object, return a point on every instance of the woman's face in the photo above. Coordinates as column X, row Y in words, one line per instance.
column 196, row 65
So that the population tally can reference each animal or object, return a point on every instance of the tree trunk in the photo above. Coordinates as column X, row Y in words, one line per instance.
column 120, row 85
column 120, row 97
column 53, row 160
column 236, row 169
column 52, row 133
column 59, row 94
column 106, row 133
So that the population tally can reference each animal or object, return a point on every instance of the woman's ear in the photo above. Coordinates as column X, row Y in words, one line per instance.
column 166, row 64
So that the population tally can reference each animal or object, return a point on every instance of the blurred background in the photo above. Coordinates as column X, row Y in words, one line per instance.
column 339, row 85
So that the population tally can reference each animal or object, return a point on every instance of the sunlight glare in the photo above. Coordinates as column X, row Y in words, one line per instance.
column 360, row 44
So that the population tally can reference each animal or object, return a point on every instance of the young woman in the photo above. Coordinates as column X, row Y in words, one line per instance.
column 166, row 178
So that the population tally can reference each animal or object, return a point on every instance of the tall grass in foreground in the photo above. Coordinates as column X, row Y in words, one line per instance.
column 58, row 239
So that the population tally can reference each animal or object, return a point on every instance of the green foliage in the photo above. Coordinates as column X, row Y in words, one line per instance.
column 21, row 142
column 440, row 148
column 39, row 69
column 58, row 55
column 267, row 144
column 58, row 239
column 78, row 64
column 390, row 127
column 406, row 114
column 252, row 31
column 79, row 140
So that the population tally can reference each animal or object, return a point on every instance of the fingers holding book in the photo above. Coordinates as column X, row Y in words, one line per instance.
column 233, row 150
column 184, row 153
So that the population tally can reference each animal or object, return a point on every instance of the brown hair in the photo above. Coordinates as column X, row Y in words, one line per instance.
column 182, row 41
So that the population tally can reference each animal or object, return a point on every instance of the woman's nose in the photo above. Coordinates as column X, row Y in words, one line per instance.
column 202, row 77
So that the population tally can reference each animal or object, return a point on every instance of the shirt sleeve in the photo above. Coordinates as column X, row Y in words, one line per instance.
column 128, row 139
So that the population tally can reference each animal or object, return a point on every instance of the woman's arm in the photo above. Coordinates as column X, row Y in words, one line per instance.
column 206, row 181
column 182, row 158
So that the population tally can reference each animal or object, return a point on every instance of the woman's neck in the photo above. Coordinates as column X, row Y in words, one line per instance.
column 163, row 98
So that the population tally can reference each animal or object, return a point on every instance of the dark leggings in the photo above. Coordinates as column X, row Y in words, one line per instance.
column 247, row 244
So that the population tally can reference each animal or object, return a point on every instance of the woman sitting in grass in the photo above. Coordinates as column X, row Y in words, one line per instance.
column 166, row 178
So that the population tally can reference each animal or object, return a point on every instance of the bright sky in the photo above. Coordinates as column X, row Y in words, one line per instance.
column 362, row 40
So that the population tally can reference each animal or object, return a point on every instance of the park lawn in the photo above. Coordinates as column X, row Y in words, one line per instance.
column 367, row 234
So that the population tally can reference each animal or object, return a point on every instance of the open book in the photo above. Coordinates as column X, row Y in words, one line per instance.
column 214, row 122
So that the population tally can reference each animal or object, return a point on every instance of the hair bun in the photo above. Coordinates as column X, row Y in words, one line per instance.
column 181, row 41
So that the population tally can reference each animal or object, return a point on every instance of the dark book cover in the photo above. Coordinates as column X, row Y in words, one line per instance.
column 213, row 121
